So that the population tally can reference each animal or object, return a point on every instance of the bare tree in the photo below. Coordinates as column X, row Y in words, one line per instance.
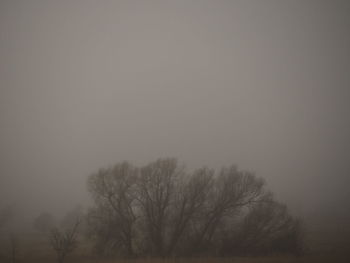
column 156, row 187
column 189, row 200
column 232, row 190
column 64, row 241
column 162, row 210
column 267, row 227
column 71, row 217
column 114, row 218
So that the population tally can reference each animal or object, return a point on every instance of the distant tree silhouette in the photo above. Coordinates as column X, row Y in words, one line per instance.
column 44, row 222
column 8, row 235
column 6, row 214
column 160, row 209
column 13, row 247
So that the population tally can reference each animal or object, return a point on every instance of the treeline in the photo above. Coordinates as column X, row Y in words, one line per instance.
column 161, row 209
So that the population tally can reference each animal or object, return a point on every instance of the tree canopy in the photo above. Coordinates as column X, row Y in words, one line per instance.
column 161, row 209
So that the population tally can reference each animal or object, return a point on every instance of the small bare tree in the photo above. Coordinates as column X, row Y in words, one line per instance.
column 64, row 241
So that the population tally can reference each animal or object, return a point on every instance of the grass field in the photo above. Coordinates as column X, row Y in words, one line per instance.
column 277, row 259
column 35, row 249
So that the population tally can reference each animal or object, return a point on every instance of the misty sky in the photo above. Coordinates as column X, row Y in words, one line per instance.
column 261, row 84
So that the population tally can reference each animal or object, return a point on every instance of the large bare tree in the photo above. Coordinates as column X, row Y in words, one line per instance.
column 114, row 193
column 156, row 191
column 231, row 191
column 189, row 200
column 161, row 209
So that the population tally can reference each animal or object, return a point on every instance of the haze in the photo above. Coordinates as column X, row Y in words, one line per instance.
column 260, row 84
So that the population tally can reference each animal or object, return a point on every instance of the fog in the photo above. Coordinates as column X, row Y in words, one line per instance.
column 261, row 84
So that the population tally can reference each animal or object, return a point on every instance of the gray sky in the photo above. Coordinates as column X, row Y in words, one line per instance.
column 262, row 84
